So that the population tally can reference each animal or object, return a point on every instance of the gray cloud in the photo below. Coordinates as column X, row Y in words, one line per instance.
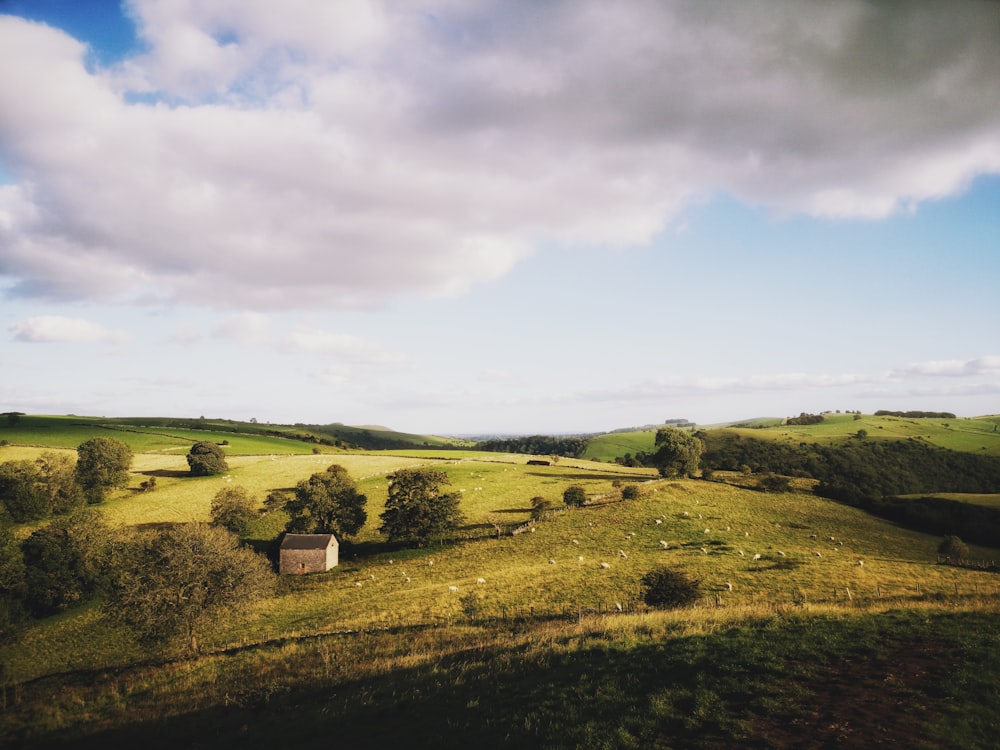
column 317, row 159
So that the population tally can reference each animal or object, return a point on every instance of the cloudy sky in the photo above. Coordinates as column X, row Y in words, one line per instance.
column 472, row 216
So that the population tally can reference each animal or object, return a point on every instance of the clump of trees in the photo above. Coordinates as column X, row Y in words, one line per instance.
column 206, row 459
column 170, row 586
column 417, row 510
column 537, row 445
column 328, row 502
column 916, row 414
column 804, row 419
column 102, row 464
column 953, row 546
column 678, row 452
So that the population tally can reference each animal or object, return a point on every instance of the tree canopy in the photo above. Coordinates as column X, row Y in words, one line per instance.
column 328, row 502
column 102, row 464
column 206, row 458
column 417, row 510
column 233, row 509
column 171, row 585
column 678, row 452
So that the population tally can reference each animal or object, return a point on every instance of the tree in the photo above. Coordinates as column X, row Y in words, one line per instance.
column 630, row 492
column 12, row 585
column 668, row 589
column 541, row 507
column 206, row 458
column 170, row 586
column 13, row 417
column 233, row 509
column 575, row 496
column 416, row 509
column 63, row 562
column 953, row 546
column 61, row 491
column 328, row 502
column 678, row 452
column 102, row 464
column 19, row 491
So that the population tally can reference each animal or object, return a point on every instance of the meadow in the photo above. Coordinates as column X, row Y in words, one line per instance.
column 538, row 638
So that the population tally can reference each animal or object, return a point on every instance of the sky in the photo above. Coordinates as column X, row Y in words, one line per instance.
column 481, row 217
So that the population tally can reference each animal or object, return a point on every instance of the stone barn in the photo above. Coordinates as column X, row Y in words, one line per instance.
column 308, row 553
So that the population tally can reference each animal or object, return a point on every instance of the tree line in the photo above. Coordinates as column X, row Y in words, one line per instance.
column 536, row 445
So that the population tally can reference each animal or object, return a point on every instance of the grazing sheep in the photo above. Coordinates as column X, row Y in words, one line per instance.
column 781, row 553
column 605, row 565
column 580, row 558
column 685, row 513
column 551, row 561
column 756, row 557
column 430, row 562
column 453, row 589
column 658, row 521
column 830, row 539
column 739, row 552
column 621, row 554
column 358, row 584
column 406, row 579
column 664, row 545
column 704, row 551
column 371, row 576
column 480, row 580
column 708, row 531
column 618, row 606
column 575, row 541
column 818, row 554
column 728, row 585
column 861, row 563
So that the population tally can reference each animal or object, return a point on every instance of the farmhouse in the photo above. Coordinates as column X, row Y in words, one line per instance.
column 308, row 553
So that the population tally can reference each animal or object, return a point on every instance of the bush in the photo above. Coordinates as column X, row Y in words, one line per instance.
column 630, row 492
column 540, row 507
column 206, row 458
column 953, row 546
column 575, row 495
column 665, row 588
column 773, row 483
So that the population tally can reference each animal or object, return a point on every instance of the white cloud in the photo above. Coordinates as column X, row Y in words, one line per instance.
column 310, row 155
column 57, row 329
column 989, row 365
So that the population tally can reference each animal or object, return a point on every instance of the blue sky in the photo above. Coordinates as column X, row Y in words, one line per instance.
column 498, row 217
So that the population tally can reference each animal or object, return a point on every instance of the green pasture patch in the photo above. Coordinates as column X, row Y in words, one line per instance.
column 614, row 445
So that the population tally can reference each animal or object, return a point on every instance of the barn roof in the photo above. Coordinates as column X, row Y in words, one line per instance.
column 307, row 541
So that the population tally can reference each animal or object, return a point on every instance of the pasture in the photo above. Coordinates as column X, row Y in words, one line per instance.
column 539, row 637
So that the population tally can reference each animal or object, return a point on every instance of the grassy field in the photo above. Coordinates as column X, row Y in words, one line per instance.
column 817, row 623
column 613, row 445
column 977, row 435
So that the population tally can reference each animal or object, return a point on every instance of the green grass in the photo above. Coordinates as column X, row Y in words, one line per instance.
column 617, row 444
column 542, row 663
column 968, row 435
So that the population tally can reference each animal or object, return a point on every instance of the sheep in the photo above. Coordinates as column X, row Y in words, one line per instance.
column 406, row 579
column 861, row 563
column 622, row 555
column 480, row 581
column 371, row 576
column 574, row 541
column 756, row 557
column 703, row 551
column 686, row 514
column 818, row 554
column 658, row 521
column 739, row 552
column 551, row 561
column 605, row 565
column 580, row 558
column 664, row 545
column 453, row 589
column 708, row 531
column 358, row 584
column 618, row 606
column 728, row 585
column 782, row 554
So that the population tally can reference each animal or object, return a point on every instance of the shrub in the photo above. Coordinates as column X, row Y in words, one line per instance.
column 665, row 588
column 540, row 507
column 773, row 483
column 575, row 495
column 206, row 458
column 630, row 492
column 953, row 546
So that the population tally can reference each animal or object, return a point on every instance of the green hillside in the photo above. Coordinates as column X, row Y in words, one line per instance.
column 539, row 638
column 614, row 445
